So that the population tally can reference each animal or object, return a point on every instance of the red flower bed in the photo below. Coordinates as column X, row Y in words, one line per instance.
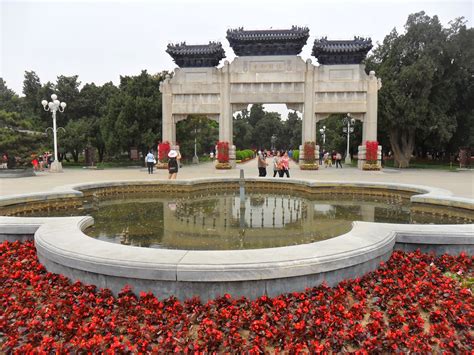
column 163, row 150
column 223, row 152
column 371, row 151
column 405, row 305
column 309, row 152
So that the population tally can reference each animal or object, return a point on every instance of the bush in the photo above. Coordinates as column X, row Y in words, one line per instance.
column 296, row 155
column 245, row 154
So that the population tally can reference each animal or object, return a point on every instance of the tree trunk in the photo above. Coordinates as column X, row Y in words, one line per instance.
column 402, row 142
column 101, row 151
column 75, row 155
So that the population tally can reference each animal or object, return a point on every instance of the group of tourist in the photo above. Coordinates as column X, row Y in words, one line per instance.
column 41, row 162
column 329, row 159
column 280, row 162
column 173, row 163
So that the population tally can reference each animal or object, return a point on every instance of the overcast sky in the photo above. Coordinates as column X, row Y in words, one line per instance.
column 101, row 40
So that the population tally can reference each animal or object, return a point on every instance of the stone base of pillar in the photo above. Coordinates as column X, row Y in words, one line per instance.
column 309, row 166
column 361, row 162
column 56, row 167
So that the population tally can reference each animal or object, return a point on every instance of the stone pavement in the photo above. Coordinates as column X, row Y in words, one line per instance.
column 460, row 183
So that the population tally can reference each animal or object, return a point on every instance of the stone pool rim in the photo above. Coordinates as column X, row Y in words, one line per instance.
column 63, row 247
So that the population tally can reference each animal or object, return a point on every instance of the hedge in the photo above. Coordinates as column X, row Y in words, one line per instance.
column 245, row 154
column 296, row 155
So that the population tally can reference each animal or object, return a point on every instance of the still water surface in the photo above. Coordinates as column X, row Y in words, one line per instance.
column 221, row 222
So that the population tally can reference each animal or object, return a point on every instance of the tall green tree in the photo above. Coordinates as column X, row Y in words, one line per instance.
column 242, row 132
column 133, row 116
column 291, row 132
column 32, row 92
column 9, row 100
column 418, row 96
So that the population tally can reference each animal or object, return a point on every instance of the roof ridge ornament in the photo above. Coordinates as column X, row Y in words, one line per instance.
column 268, row 42
column 196, row 55
column 331, row 52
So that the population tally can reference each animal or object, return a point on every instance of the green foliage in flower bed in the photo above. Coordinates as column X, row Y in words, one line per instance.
column 245, row 154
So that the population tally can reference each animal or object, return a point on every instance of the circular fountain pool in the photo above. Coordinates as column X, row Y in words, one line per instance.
column 286, row 236
column 219, row 221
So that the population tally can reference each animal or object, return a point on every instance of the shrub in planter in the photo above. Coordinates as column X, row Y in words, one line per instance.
column 310, row 162
column 223, row 155
column 371, row 150
column 223, row 152
column 163, row 150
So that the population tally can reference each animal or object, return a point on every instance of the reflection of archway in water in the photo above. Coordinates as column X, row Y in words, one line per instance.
column 255, row 124
column 336, row 138
column 205, row 129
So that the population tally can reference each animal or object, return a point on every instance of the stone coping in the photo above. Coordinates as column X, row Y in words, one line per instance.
column 61, row 241
column 16, row 173
column 423, row 193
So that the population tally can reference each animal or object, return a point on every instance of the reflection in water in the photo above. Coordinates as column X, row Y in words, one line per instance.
column 223, row 221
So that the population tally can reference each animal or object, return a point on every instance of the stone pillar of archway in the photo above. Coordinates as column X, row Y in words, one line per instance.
column 225, row 116
column 309, row 118
column 369, row 130
column 168, row 126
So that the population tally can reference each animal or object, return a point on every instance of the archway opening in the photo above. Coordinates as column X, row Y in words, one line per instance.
column 267, row 126
column 196, row 136
column 332, row 135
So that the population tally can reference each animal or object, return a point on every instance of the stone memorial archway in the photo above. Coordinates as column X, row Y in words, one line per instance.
column 267, row 69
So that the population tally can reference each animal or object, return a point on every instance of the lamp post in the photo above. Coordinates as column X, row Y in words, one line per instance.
column 273, row 140
column 54, row 106
column 349, row 122
column 323, row 134
column 195, row 157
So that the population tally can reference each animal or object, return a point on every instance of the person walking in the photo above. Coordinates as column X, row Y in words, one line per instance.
column 173, row 164
column 285, row 165
column 262, row 164
column 333, row 158
column 326, row 159
column 150, row 161
column 276, row 163
column 338, row 159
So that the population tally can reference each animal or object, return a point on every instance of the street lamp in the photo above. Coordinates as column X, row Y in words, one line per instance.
column 54, row 106
column 323, row 134
column 195, row 158
column 273, row 140
column 349, row 122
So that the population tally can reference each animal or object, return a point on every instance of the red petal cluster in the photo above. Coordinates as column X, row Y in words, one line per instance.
column 223, row 152
column 406, row 305
column 371, row 151
column 309, row 152
column 163, row 150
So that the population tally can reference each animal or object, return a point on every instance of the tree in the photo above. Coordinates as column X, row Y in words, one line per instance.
column 32, row 92
column 18, row 137
column 265, row 128
column 75, row 138
column 419, row 84
column 133, row 116
column 242, row 132
column 206, row 135
column 67, row 89
column 256, row 114
column 291, row 132
column 9, row 101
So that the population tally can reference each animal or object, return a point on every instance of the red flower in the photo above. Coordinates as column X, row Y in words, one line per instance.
column 406, row 305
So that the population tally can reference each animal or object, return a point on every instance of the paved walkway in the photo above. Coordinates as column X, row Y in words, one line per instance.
column 460, row 183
